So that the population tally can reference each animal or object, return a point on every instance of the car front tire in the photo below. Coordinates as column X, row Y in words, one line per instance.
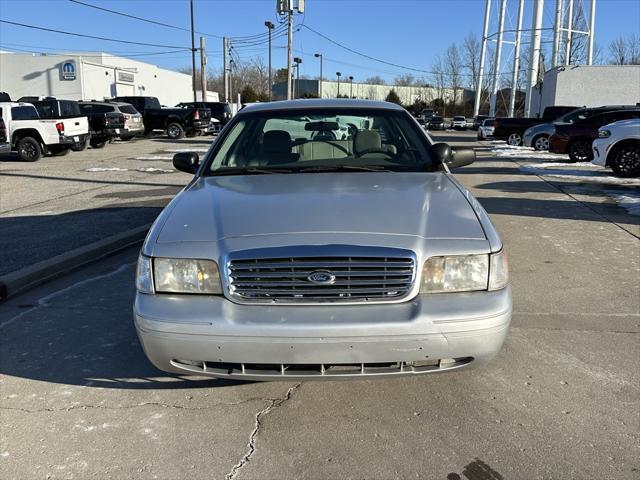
column 624, row 160
column 514, row 139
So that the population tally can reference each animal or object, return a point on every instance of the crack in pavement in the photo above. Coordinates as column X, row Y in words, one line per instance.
column 145, row 404
column 251, row 446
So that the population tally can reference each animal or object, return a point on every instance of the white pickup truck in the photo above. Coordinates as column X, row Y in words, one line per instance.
column 31, row 137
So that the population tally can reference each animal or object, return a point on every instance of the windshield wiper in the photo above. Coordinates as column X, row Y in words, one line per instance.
column 249, row 171
column 344, row 168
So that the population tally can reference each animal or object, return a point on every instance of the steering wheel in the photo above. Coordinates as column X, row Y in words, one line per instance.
column 373, row 150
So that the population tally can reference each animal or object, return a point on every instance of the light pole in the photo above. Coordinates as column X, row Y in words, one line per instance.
column 338, row 75
column 319, row 55
column 270, row 26
column 297, row 61
column 350, row 86
column 193, row 54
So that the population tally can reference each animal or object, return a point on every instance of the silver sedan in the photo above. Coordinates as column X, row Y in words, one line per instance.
column 294, row 254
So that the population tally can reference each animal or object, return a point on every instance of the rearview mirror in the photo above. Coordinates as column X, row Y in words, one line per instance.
column 453, row 157
column 186, row 162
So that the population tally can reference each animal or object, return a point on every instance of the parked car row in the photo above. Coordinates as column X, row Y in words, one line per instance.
column 35, row 126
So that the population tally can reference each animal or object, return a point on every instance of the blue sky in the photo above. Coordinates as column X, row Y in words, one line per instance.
column 411, row 32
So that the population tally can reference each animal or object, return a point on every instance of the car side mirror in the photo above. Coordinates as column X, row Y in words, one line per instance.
column 453, row 157
column 186, row 162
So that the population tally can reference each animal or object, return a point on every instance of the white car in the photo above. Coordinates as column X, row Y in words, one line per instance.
column 618, row 147
column 485, row 130
column 459, row 123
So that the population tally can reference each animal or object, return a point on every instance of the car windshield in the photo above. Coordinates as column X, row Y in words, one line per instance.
column 321, row 140
column 488, row 123
column 436, row 119
column 130, row 109
column 459, row 119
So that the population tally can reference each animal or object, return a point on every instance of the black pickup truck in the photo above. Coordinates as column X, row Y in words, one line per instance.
column 176, row 122
column 104, row 123
column 512, row 129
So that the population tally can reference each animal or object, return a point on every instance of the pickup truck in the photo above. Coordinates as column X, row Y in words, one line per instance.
column 104, row 122
column 512, row 129
column 32, row 136
column 75, row 125
column 5, row 146
column 176, row 122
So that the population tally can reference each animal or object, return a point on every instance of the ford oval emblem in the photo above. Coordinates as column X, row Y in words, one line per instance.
column 321, row 277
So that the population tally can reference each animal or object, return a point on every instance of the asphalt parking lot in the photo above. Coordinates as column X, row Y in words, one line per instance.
column 78, row 399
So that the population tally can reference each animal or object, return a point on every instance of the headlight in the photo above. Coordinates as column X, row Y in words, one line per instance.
column 464, row 273
column 180, row 275
column 144, row 277
column 460, row 273
column 604, row 133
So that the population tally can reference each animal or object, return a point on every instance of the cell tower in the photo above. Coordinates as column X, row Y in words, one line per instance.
column 571, row 44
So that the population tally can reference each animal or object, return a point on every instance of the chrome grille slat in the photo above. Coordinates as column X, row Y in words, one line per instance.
column 355, row 278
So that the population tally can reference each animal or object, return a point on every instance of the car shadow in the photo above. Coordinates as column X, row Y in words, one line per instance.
column 86, row 337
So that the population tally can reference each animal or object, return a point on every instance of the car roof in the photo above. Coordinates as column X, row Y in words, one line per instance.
column 319, row 104
column 17, row 104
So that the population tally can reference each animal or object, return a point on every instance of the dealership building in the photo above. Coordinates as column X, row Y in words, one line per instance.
column 91, row 75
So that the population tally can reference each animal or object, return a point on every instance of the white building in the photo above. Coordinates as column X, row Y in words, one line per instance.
column 587, row 85
column 86, row 76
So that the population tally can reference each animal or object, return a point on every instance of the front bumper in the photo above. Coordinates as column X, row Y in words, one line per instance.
column 213, row 336
column 558, row 144
column 600, row 149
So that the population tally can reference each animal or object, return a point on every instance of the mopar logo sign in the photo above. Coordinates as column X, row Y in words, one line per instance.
column 68, row 70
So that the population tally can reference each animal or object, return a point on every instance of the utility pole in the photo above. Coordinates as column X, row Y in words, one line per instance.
column 350, row 86
column 516, row 61
column 231, row 79
column 297, row 61
column 203, row 70
column 289, row 46
column 557, row 35
column 319, row 55
column 225, row 68
column 338, row 75
column 534, row 59
column 567, row 55
column 270, row 27
column 496, row 73
column 483, row 54
column 193, row 55
column 592, row 25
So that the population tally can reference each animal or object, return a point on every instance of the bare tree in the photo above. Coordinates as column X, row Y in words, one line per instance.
column 375, row 80
column 633, row 48
column 453, row 69
column 471, row 59
column 405, row 80
column 618, row 52
column 439, row 79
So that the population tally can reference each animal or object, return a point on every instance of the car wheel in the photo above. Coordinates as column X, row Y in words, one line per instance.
column 175, row 131
column 624, row 160
column 127, row 138
column 514, row 139
column 541, row 142
column 580, row 151
column 29, row 149
column 79, row 147
column 98, row 144
column 57, row 151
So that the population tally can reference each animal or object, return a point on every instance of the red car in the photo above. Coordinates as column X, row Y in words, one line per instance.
column 576, row 138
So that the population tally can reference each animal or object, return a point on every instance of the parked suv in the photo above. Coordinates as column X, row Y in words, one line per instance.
column 219, row 110
column 176, row 122
column 459, row 123
column 576, row 138
column 105, row 121
column 67, row 113
column 618, row 147
column 293, row 254
column 512, row 129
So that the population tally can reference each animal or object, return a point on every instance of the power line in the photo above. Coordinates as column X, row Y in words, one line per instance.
column 90, row 36
column 154, row 22
column 55, row 54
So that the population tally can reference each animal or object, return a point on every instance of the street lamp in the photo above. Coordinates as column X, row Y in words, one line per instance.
column 338, row 75
column 351, row 86
column 270, row 26
column 319, row 55
column 297, row 61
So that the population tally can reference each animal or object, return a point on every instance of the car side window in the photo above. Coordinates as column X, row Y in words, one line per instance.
column 24, row 113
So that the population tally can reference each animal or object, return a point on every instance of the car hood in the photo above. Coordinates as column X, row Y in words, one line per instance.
column 427, row 205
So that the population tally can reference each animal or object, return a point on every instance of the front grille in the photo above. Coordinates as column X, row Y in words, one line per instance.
column 342, row 279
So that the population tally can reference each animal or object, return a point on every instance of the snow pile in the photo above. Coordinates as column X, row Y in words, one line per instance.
column 106, row 169
column 154, row 170
column 180, row 150
column 153, row 157
column 586, row 175
column 630, row 201
column 118, row 169
column 525, row 153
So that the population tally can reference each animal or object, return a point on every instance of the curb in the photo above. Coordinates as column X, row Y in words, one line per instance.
column 28, row 277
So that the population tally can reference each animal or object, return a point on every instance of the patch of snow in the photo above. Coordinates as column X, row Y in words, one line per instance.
column 180, row 150
column 584, row 176
column 154, row 170
column 106, row 169
column 153, row 157
column 630, row 201
column 526, row 153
